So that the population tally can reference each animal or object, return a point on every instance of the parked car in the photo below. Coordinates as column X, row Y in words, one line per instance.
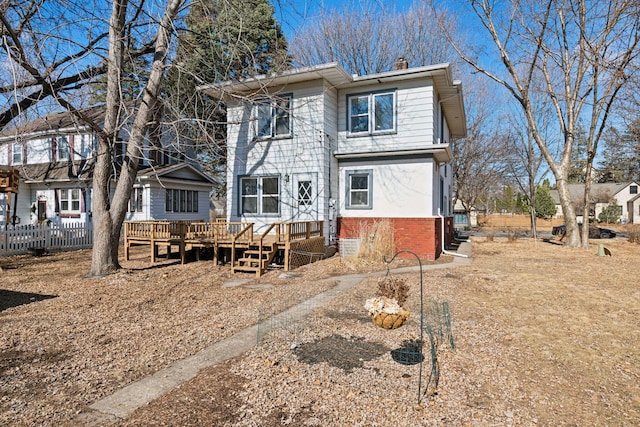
column 595, row 232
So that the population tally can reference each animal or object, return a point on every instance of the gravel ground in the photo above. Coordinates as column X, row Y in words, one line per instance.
column 541, row 335
column 68, row 341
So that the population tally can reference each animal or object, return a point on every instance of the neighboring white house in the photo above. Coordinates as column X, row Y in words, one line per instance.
column 55, row 155
column 317, row 143
column 623, row 195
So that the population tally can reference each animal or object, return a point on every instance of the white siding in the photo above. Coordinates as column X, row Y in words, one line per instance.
column 305, row 153
column 156, row 203
column 402, row 188
column 414, row 119
column 4, row 154
column 38, row 151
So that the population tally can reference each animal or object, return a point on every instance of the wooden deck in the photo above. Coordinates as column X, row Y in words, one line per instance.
column 287, row 244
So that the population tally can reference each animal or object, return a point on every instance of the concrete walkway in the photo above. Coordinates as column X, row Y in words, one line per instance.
column 122, row 403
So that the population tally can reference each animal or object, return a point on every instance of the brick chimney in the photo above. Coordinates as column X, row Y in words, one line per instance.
column 401, row 64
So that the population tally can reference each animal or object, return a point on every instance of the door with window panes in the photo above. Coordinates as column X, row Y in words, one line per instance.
column 305, row 197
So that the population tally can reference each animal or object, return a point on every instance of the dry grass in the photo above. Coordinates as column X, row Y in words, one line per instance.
column 572, row 319
column 377, row 240
column 545, row 335
column 634, row 234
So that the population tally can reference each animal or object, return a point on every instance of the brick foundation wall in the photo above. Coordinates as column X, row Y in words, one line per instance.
column 419, row 235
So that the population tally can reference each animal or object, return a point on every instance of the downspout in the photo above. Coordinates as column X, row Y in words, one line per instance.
column 444, row 251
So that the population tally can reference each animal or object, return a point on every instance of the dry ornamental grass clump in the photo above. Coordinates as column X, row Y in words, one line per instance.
column 377, row 240
column 393, row 287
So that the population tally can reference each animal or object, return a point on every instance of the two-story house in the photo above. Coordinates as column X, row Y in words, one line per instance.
column 318, row 143
column 54, row 156
column 625, row 196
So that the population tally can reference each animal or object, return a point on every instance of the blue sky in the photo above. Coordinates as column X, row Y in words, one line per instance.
column 293, row 14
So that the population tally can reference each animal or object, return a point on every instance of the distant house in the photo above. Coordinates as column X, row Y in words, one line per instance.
column 623, row 195
column 463, row 220
column 318, row 143
column 55, row 156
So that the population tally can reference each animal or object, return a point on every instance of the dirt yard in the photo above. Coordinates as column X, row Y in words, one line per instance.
column 543, row 335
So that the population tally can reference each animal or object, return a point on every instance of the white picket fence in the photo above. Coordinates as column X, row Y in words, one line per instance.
column 21, row 239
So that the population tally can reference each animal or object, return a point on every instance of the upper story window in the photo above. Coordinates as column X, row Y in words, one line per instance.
column 62, row 149
column 16, row 153
column 633, row 189
column 372, row 113
column 273, row 118
column 87, row 145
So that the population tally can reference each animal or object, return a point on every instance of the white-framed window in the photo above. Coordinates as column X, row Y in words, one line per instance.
column 372, row 113
column 359, row 189
column 70, row 200
column 62, row 148
column 16, row 153
column 260, row 195
column 135, row 201
column 87, row 145
column 273, row 117
column 181, row 200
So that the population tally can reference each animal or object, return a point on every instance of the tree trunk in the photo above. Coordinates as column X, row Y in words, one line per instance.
column 568, row 212
column 532, row 200
column 102, row 259
column 110, row 212
column 532, row 215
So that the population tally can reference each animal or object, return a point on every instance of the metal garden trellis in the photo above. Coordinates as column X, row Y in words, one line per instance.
column 440, row 317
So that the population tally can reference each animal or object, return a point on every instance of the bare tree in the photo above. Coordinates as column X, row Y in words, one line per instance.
column 36, row 67
column 577, row 53
column 365, row 38
column 109, row 212
column 478, row 165
column 524, row 162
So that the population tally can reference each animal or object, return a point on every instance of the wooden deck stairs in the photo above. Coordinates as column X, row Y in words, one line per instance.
column 256, row 259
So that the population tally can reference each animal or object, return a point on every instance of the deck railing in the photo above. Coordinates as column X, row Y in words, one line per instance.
column 219, row 230
column 245, row 235
column 303, row 230
column 154, row 229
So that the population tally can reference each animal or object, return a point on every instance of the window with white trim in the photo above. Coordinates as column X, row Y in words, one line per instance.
column 70, row 200
column 62, row 149
column 359, row 189
column 87, row 146
column 135, row 201
column 260, row 195
column 273, row 118
column 181, row 200
column 16, row 153
column 372, row 113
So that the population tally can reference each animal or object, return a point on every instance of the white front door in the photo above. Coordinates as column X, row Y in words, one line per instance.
column 305, row 196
